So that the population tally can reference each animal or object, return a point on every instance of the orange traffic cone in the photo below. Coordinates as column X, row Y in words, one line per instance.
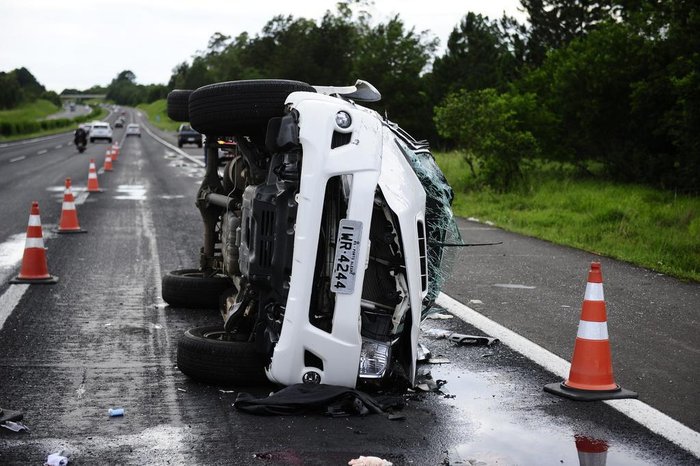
column 115, row 151
column 591, row 375
column 34, row 267
column 108, row 162
column 69, row 215
column 591, row 451
column 93, row 186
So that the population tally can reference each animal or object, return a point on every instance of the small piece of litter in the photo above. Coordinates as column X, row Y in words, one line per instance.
column 438, row 361
column 438, row 316
column 182, row 390
column 114, row 412
column 369, row 461
column 396, row 417
column 14, row 426
column 56, row 459
column 227, row 391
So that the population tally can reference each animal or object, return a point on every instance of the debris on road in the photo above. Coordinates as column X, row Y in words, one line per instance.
column 439, row 316
column 369, row 461
column 57, row 459
column 14, row 426
column 323, row 399
column 114, row 412
column 460, row 338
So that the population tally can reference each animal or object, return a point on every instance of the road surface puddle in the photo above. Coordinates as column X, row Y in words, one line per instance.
column 131, row 192
column 499, row 428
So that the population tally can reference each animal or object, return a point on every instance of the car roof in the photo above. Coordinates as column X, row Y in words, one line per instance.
column 133, row 125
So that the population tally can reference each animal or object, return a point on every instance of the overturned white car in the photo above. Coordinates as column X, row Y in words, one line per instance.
column 323, row 237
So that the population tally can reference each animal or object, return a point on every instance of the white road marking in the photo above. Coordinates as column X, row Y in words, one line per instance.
column 176, row 149
column 514, row 286
column 9, row 300
column 17, row 159
column 58, row 146
column 649, row 417
column 42, row 152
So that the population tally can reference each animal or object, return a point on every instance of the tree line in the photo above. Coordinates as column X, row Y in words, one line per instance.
column 19, row 86
column 611, row 84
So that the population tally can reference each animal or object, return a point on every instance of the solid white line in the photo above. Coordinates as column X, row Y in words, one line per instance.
column 8, row 301
column 649, row 417
column 17, row 159
column 170, row 146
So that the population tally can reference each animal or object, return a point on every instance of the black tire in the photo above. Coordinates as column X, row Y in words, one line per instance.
column 240, row 108
column 92, row 141
column 189, row 288
column 205, row 355
column 178, row 101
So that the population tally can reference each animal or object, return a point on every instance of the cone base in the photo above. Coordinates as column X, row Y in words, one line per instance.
column 99, row 190
column 560, row 389
column 38, row 281
column 62, row 232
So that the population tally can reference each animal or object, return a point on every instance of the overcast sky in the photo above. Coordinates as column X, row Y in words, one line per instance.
column 80, row 43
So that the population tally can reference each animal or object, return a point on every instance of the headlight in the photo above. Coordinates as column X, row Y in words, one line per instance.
column 343, row 119
column 374, row 358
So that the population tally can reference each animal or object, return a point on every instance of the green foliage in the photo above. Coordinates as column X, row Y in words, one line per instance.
column 28, row 119
column 642, row 225
column 20, row 86
column 156, row 112
column 490, row 127
column 124, row 90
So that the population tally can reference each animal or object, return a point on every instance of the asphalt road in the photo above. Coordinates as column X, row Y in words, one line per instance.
column 103, row 338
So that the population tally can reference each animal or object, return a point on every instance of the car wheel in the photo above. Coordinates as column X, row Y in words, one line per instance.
column 179, row 144
column 189, row 288
column 92, row 140
column 240, row 108
column 211, row 355
column 110, row 140
column 178, row 101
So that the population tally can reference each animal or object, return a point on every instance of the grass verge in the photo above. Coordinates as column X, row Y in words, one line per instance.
column 644, row 226
column 30, row 111
column 158, row 116
column 48, row 132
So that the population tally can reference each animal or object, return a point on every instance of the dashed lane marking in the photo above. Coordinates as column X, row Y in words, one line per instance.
column 17, row 159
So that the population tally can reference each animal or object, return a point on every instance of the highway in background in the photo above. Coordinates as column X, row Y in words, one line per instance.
column 103, row 338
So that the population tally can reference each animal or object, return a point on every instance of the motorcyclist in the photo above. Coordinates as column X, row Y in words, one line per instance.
column 80, row 137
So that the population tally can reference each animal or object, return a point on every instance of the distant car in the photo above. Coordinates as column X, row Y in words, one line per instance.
column 100, row 130
column 186, row 135
column 133, row 129
column 119, row 123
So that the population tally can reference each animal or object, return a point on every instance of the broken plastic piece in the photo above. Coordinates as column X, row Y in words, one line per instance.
column 460, row 338
column 7, row 415
column 113, row 412
column 14, row 426
column 423, row 352
column 369, row 461
column 56, row 459
column 439, row 316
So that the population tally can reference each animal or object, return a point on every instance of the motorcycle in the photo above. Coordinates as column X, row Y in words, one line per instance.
column 325, row 234
column 80, row 146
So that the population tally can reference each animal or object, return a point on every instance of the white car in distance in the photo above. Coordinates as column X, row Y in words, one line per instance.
column 100, row 130
column 133, row 129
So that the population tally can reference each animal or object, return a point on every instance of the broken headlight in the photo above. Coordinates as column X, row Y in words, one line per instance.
column 374, row 358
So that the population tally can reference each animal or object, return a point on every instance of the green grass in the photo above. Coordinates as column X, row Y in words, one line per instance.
column 644, row 226
column 157, row 115
column 31, row 111
column 103, row 113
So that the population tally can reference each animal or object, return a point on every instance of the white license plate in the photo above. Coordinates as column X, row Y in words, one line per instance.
column 345, row 263
column 190, row 139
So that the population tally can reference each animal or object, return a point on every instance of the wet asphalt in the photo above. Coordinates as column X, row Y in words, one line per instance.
column 102, row 338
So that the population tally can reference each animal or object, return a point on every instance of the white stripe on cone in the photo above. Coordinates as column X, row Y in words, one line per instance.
column 68, row 205
column 34, row 243
column 34, row 221
column 592, row 330
column 594, row 292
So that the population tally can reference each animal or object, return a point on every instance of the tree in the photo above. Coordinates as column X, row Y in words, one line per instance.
column 493, row 131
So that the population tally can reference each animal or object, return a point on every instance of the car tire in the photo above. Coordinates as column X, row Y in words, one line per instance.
column 92, row 140
column 207, row 355
column 240, row 108
column 189, row 288
column 179, row 144
column 110, row 140
column 178, row 104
